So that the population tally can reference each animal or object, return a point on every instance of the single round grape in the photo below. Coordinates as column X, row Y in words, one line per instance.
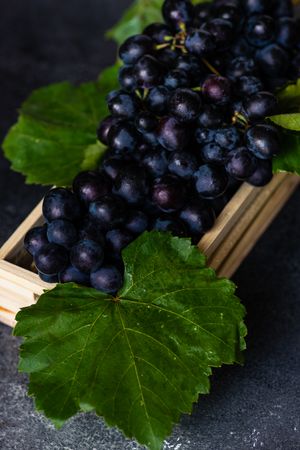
column 191, row 65
column 114, row 165
column 158, row 32
column 146, row 122
column 167, row 57
column 136, row 222
column 51, row 259
column 172, row 134
column 156, row 162
column 287, row 34
column 217, row 90
column 109, row 212
column 263, row 141
column 273, row 60
column 35, row 239
column 249, row 85
column 61, row 203
column 177, row 12
column 170, row 224
column 148, row 71
column 185, row 104
column 135, row 47
column 49, row 278
column 211, row 116
column 123, row 105
column 213, row 153
column 91, row 185
column 91, row 231
column 105, row 127
column 221, row 30
column 240, row 164
column 176, row 78
column 205, row 136
column 157, row 100
column 241, row 66
column 87, row 255
column 210, row 181
column 169, row 193
column 62, row 232
column 132, row 185
column 73, row 275
column 118, row 239
column 123, row 138
column 262, row 175
column 227, row 137
column 127, row 79
column 198, row 217
column 260, row 105
column 260, row 30
column 108, row 279
column 199, row 42
column 182, row 164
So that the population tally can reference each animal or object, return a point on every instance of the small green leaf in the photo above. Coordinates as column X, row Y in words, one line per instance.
column 55, row 136
column 289, row 98
column 142, row 358
column 288, row 121
column 289, row 158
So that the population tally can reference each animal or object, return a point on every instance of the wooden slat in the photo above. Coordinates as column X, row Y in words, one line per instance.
column 7, row 317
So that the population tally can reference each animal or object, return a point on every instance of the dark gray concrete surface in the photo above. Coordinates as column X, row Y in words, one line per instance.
column 252, row 407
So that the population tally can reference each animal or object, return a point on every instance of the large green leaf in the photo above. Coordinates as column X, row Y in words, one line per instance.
column 289, row 121
column 288, row 107
column 139, row 359
column 55, row 136
column 289, row 158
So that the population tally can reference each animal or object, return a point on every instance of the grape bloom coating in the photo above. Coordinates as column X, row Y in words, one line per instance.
column 187, row 126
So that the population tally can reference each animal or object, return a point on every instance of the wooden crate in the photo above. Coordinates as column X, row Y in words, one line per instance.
column 236, row 231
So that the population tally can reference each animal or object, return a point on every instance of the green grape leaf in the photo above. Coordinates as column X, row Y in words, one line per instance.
column 55, row 136
column 289, row 99
column 141, row 14
column 289, row 158
column 139, row 359
column 288, row 121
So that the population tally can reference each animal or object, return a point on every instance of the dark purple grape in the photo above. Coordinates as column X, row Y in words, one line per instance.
column 263, row 141
column 169, row 193
column 199, row 42
column 260, row 30
column 91, row 185
column 182, row 164
column 108, row 279
column 201, row 13
column 228, row 11
column 148, row 71
column 205, row 136
column 210, row 181
column 198, row 217
column 60, row 203
column 35, row 239
column 51, row 259
column 73, row 275
column 136, row 222
column 118, row 239
column 123, row 105
column 135, row 47
column 249, row 85
column 221, row 30
column 109, row 212
column 260, row 105
column 241, row 66
column 156, row 162
column 62, row 232
column 191, row 65
column 87, row 256
column 114, row 165
column 211, row 116
column 256, row 6
column 227, row 137
column 213, row 153
column 146, row 122
column 105, row 127
column 167, row 57
column 241, row 46
column 288, row 32
column 48, row 278
column 273, row 60
column 240, row 164
column 132, row 184
column 158, row 32
column 173, row 135
column 185, row 104
column 176, row 78
column 91, row 231
column 174, row 226
column 127, row 79
column 177, row 13
column 263, row 173
column 123, row 138
column 217, row 90
column 157, row 100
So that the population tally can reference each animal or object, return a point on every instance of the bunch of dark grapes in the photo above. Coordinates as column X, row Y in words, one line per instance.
column 187, row 126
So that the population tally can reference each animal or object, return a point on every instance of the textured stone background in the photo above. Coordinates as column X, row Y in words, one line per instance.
column 252, row 407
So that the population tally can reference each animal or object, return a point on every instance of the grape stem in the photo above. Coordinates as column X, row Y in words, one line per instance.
column 161, row 46
column 238, row 117
column 210, row 67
